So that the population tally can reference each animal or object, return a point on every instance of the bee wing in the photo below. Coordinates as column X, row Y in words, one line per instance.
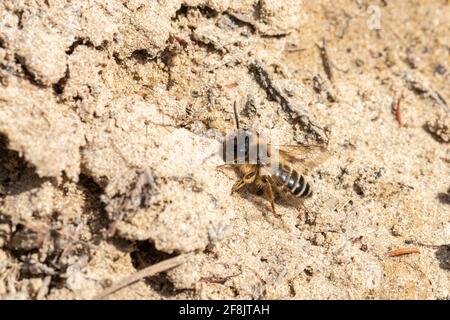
column 293, row 200
column 308, row 157
column 289, row 199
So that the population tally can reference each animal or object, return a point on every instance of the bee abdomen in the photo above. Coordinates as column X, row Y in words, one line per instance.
column 293, row 181
column 302, row 188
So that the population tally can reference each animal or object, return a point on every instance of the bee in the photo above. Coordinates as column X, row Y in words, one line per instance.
column 277, row 170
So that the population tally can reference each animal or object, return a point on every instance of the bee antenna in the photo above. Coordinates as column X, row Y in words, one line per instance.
column 236, row 115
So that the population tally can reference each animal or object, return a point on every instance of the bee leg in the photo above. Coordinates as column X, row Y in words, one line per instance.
column 223, row 166
column 237, row 186
column 247, row 179
column 269, row 193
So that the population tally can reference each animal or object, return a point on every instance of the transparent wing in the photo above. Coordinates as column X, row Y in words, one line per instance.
column 291, row 200
column 287, row 199
column 308, row 157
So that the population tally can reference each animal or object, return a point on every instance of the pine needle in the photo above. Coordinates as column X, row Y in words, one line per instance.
column 146, row 272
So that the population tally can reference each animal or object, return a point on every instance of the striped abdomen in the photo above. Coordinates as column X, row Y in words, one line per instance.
column 291, row 180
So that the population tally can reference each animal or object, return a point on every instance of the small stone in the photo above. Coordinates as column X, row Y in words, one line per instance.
column 359, row 63
column 396, row 231
column 309, row 271
column 440, row 69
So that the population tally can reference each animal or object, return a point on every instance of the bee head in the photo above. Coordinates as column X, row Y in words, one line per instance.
column 243, row 146
column 240, row 146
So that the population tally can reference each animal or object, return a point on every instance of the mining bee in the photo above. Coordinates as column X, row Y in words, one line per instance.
column 276, row 170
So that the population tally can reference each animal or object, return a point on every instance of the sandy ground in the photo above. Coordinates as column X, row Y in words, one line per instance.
column 106, row 115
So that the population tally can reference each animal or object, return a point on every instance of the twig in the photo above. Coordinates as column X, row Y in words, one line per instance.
column 243, row 20
column 265, row 81
column 339, row 207
column 398, row 114
column 402, row 251
column 232, row 85
column 254, row 25
column 325, row 60
column 294, row 49
column 146, row 272
column 219, row 280
column 424, row 90
column 348, row 18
